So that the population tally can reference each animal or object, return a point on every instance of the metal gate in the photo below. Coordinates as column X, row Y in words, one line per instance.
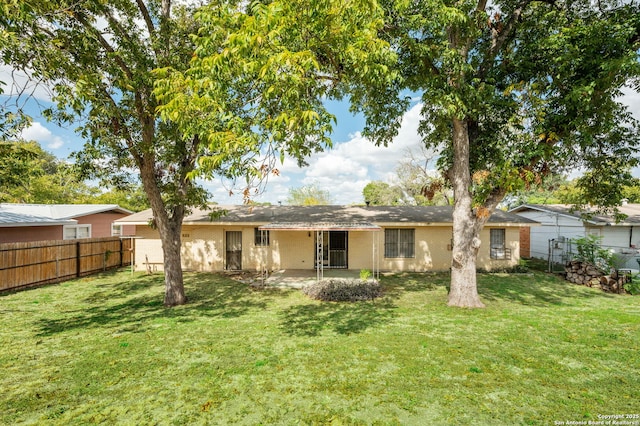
column 562, row 250
column 559, row 254
column 332, row 246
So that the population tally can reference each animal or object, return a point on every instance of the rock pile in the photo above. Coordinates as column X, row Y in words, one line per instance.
column 586, row 274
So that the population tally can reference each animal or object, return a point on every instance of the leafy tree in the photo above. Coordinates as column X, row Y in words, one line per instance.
column 556, row 189
column 309, row 195
column 512, row 92
column 380, row 193
column 632, row 192
column 415, row 183
column 16, row 165
column 99, row 60
column 132, row 198
column 260, row 88
column 425, row 185
column 546, row 191
column 29, row 174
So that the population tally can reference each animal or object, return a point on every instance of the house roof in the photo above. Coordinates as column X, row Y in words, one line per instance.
column 313, row 216
column 12, row 215
column 590, row 215
column 320, row 226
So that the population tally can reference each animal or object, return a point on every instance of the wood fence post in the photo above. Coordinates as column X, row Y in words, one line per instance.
column 78, row 258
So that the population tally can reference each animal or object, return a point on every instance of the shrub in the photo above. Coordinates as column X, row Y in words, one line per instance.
column 633, row 286
column 343, row 290
column 590, row 251
column 365, row 274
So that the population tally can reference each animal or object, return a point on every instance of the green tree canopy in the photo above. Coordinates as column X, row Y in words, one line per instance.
column 309, row 195
column 208, row 116
column 380, row 193
column 514, row 91
column 29, row 174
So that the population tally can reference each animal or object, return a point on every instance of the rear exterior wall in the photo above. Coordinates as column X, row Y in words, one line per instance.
column 204, row 249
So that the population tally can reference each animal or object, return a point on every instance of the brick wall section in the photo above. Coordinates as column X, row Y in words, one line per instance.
column 525, row 242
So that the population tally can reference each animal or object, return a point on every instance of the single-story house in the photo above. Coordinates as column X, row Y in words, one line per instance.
column 398, row 238
column 559, row 223
column 40, row 222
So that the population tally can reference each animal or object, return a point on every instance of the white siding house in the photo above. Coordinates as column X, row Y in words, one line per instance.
column 559, row 222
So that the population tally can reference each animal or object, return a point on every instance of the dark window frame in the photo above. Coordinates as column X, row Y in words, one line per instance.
column 399, row 243
column 257, row 238
column 498, row 244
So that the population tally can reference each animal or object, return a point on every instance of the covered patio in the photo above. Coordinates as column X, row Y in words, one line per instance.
column 326, row 255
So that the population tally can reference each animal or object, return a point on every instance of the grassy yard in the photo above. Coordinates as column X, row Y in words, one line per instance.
column 105, row 350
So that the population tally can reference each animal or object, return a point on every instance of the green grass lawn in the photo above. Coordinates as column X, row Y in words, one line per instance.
column 105, row 350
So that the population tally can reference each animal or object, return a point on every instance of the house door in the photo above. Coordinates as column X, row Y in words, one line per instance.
column 334, row 249
column 234, row 250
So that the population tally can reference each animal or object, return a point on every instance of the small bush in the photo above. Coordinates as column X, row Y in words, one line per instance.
column 365, row 274
column 343, row 290
column 633, row 286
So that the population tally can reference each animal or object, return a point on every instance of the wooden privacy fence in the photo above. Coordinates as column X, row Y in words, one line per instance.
column 42, row 262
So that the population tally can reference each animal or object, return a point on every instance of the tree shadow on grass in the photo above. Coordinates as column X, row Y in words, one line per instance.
column 351, row 318
column 339, row 317
column 132, row 304
column 537, row 289
column 395, row 284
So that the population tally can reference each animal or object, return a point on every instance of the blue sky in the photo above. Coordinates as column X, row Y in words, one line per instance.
column 343, row 171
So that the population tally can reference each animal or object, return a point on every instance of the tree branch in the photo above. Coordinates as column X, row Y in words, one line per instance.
column 104, row 43
column 500, row 35
column 147, row 19
column 126, row 135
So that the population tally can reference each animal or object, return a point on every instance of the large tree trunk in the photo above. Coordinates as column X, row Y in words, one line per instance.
column 170, row 229
column 174, row 285
column 466, row 225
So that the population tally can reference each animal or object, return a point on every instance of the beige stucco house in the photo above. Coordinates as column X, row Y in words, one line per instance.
column 398, row 238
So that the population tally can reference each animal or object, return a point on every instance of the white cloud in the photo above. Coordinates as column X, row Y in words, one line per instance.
column 21, row 86
column 631, row 98
column 345, row 169
column 37, row 132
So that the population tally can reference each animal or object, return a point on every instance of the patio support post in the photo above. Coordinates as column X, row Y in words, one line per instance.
column 263, row 246
column 319, row 255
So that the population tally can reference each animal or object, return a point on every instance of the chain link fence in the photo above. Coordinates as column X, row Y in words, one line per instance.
column 562, row 250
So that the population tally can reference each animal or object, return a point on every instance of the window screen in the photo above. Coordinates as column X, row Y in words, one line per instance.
column 399, row 242
column 260, row 238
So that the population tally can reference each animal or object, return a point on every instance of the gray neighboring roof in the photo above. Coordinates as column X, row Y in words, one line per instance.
column 8, row 219
column 377, row 215
column 51, row 214
column 632, row 211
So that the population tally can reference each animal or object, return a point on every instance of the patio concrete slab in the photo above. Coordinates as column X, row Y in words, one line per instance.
column 298, row 278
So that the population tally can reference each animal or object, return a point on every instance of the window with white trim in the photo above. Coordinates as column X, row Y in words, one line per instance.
column 76, row 232
column 399, row 243
column 116, row 230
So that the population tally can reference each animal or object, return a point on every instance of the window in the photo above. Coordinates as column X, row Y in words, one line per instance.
column 498, row 249
column 260, row 238
column 399, row 242
column 76, row 232
column 116, row 230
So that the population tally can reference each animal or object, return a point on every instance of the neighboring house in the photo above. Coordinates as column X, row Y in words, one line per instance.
column 39, row 222
column 559, row 223
column 399, row 238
